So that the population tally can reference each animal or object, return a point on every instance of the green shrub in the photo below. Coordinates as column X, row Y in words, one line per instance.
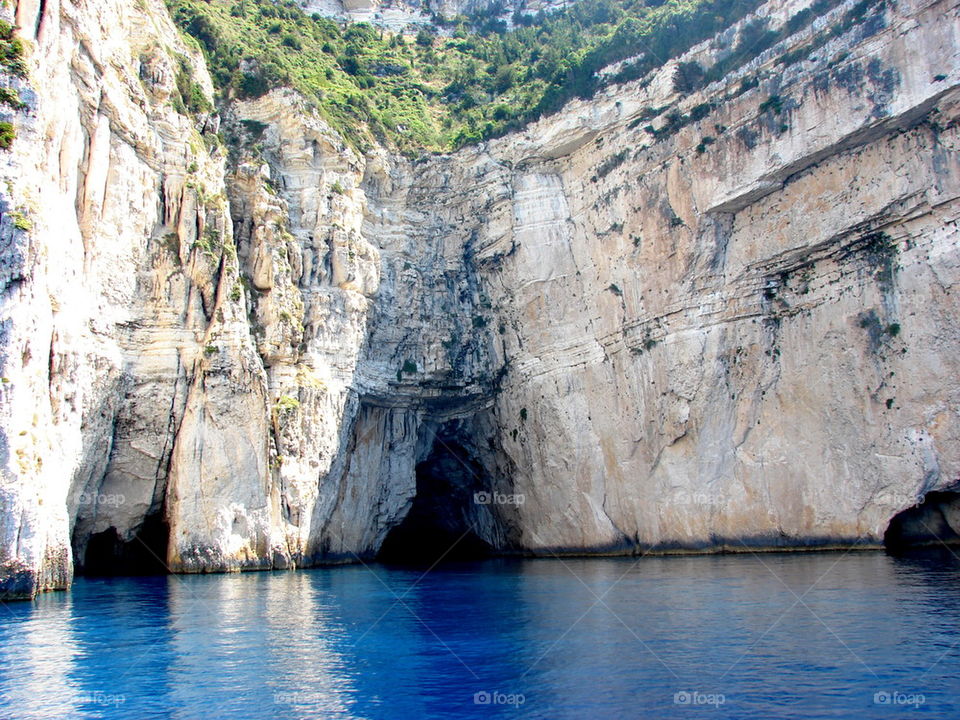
column 774, row 104
column 9, row 96
column 704, row 144
column 479, row 82
column 190, row 98
column 254, row 127
column 611, row 163
column 441, row 91
column 409, row 367
column 699, row 112
column 21, row 221
column 285, row 404
column 7, row 134
column 689, row 76
column 11, row 51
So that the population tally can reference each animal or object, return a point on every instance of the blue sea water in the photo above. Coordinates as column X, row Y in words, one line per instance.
column 855, row 635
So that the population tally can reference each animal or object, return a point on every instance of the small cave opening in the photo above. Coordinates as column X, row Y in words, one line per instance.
column 144, row 554
column 935, row 521
column 442, row 522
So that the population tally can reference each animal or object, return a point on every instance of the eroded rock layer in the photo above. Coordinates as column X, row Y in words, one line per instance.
column 652, row 322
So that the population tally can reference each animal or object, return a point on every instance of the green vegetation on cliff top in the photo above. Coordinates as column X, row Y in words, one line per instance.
column 473, row 81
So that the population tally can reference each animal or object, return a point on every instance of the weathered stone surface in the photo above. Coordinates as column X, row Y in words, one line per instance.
column 406, row 15
column 624, row 340
column 751, row 345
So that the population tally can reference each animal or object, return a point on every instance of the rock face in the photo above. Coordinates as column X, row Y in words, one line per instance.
column 403, row 15
column 750, row 342
column 653, row 322
column 108, row 296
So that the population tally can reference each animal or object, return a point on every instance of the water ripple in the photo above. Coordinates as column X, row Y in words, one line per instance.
column 788, row 636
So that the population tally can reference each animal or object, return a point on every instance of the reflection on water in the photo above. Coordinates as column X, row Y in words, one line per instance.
column 258, row 641
column 751, row 636
column 36, row 652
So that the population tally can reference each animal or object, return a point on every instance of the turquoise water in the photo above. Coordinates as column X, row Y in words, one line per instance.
column 857, row 635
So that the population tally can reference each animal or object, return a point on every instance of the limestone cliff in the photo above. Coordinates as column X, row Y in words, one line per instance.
column 408, row 14
column 652, row 322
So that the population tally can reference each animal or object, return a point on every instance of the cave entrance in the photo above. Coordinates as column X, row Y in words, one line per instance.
column 144, row 554
column 442, row 522
column 935, row 521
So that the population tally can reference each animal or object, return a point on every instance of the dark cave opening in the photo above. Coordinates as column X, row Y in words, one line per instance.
column 935, row 521
column 144, row 554
column 441, row 524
